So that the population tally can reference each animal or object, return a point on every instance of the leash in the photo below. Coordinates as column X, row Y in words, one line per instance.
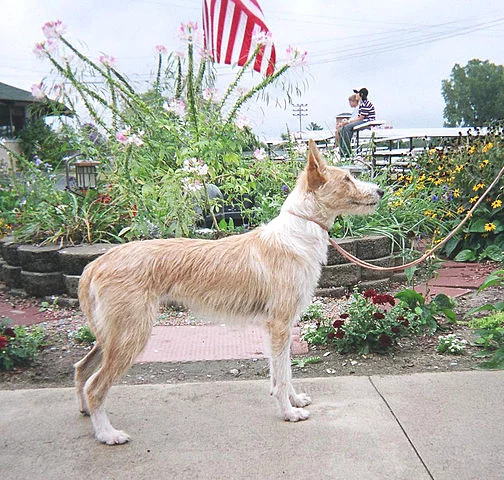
column 426, row 255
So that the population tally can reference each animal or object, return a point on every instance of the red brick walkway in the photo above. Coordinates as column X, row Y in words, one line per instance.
column 216, row 342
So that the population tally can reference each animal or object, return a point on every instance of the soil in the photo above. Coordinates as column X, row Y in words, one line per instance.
column 53, row 366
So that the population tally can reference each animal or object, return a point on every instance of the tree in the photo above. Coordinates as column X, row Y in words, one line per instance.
column 312, row 126
column 474, row 94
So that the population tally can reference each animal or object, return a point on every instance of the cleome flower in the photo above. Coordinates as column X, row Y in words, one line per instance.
column 53, row 29
column 195, row 165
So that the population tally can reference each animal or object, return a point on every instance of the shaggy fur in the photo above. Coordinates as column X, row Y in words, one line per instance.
column 268, row 275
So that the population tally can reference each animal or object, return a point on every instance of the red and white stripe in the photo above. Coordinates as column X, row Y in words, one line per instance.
column 229, row 27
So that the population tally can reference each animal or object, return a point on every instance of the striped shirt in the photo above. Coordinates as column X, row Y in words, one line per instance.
column 367, row 110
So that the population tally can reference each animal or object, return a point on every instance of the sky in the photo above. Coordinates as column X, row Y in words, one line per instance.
column 399, row 50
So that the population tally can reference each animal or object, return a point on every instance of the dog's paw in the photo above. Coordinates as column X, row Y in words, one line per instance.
column 113, row 437
column 300, row 400
column 296, row 414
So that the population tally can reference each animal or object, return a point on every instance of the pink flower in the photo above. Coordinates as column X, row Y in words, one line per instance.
column 175, row 106
column 296, row 58
column 241, row 122
column 189, row 32
column 121, row 137
column 260, row 154
column 37, row 90
column 39, row 50
column 262, row 38
column 53, row 29
column 107, row 60
column 161, row 49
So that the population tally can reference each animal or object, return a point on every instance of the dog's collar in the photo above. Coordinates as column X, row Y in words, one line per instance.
column 309, row 219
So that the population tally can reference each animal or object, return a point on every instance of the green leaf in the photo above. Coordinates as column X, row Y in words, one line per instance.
column 478, row 226
column 465, row 256
column 495, row 363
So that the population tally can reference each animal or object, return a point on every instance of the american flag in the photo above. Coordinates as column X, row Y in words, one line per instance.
column 229, row 27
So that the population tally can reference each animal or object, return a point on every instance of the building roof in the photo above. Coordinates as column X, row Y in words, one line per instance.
column 14, row 94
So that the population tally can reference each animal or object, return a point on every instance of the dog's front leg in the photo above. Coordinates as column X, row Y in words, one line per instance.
column 281, row 376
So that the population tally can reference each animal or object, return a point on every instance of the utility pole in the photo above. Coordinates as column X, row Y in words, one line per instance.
column 300, row 110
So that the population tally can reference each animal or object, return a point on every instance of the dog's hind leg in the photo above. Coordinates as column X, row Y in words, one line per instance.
column 83, row 370
column 289, row 401
column 125, row 340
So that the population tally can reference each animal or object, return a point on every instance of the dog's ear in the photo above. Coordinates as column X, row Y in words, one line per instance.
column 316, row 168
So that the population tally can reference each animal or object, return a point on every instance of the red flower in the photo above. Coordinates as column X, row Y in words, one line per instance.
column 395, row 330
column 390, row 299
column 370, row 293
column 385, row 340
column 340, row 334
column 344, row 315
column 134, row 211
column 3, row 341
column 378, row 315
column 331, row 335
column 338, row 323
column 379, row 299
column 405, row 322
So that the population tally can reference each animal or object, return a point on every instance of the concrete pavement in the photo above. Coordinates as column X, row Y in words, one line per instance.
column 414, row 427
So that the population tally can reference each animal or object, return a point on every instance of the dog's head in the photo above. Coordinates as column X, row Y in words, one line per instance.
column 335, row 189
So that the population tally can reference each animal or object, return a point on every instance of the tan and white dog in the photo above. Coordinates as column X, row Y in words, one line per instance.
column 267, row 275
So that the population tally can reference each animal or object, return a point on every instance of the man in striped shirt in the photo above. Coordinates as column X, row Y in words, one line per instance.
column 366, row 114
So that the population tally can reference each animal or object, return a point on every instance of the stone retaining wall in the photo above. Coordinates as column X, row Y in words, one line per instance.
column 52, row 270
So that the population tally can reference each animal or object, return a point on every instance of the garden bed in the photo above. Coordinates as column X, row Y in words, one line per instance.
column 54, row 364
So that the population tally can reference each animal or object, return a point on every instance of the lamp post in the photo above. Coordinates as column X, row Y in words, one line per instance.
column 86, row 173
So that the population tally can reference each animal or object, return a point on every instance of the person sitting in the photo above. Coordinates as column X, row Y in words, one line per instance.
column 366, row 113
column 353, row 101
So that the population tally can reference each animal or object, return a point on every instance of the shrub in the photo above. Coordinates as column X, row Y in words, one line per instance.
column 18, row 345
column 84, row 335
column 158, row 150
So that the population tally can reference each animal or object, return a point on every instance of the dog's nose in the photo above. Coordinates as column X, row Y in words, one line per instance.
column 380, row 192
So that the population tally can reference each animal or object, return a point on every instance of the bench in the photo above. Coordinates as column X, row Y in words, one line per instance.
column 365, row 126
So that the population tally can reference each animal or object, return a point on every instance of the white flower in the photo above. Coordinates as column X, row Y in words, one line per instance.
column 301, row 148
column 260, row 154
column 37, row 90
column 241, row 122
column 262, row 38
column 197, row 166
column 210, row 94
column 175, row 106
column 191, row 185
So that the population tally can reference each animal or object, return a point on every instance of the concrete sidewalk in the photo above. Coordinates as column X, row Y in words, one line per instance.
column 422, row 426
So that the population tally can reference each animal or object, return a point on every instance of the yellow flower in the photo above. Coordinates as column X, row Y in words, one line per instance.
column 459, row 168
column 473, row 199
column 460, row 210
column 487, row 147
column 456, row 193
column 496, row 203
column 478, row 186
column 472, row 150
column 490, row 227
column 484, row 163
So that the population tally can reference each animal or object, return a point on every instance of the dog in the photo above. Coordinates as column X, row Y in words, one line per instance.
column 267, row 275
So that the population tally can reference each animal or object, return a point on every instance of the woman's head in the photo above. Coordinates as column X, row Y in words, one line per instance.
column 363, row 93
